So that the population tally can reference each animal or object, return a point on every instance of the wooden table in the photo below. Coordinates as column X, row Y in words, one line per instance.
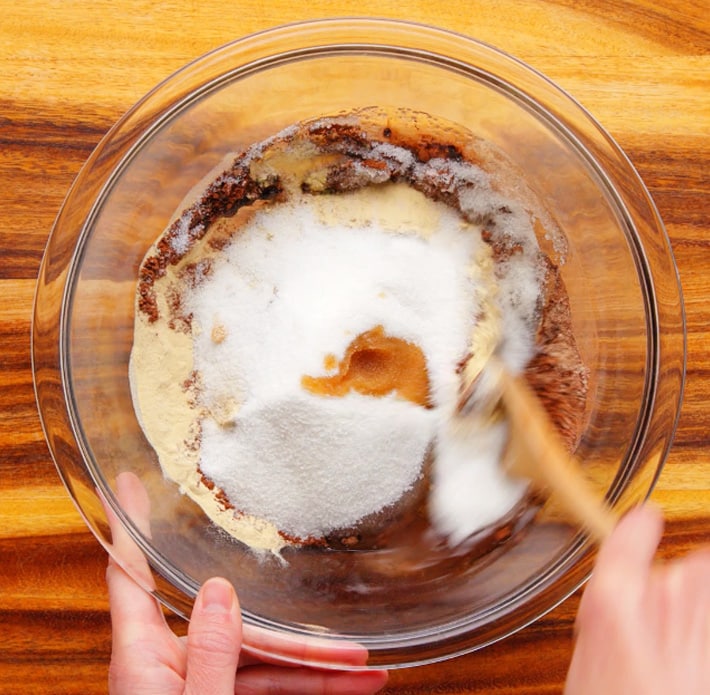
column 69, row 69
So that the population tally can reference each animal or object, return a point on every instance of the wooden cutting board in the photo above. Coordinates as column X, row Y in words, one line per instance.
column 69, row 69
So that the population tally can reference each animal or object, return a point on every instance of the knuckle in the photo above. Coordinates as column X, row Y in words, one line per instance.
column 214, row 642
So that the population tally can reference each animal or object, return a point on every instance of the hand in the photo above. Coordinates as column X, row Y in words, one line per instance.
column 643, row 627
column 149, row 659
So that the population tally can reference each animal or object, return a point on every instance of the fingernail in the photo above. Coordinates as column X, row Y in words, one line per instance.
column 217, row 596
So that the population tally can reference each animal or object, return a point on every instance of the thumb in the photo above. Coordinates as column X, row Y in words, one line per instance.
column 214, row 640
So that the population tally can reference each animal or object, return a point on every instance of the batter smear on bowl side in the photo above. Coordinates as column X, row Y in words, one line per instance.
column 301, row 326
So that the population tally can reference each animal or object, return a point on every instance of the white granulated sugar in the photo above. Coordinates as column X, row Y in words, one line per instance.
column 471, row 490
column 299, row 289
column 288, row 291
column 518, row 295
column 180, row 239
column 312, row 464
column 450, row 176
column 256, row 150
column 402, row 156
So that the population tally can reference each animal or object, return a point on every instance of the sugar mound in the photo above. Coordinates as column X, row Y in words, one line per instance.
column 289, row 290
column 310, row 465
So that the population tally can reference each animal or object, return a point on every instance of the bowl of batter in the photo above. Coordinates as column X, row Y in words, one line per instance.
column 258, row 303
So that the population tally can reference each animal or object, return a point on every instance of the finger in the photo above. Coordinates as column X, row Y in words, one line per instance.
column 622, row 567
column 684, row 596
column 135, row 503
column 274, row 680
column 266, row 646
column 134, row 612
column 214, row 640
column 134, row 500
column 140, row 635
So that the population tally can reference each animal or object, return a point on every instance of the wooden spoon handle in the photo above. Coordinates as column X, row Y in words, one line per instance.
column 538, row 454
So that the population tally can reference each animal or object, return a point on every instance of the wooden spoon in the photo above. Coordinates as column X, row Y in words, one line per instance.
column 536, row 452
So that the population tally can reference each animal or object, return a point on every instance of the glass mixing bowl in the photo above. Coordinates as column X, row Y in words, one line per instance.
column 618, row 268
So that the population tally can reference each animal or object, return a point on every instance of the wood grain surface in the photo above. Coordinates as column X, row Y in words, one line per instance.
column 69, row 69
